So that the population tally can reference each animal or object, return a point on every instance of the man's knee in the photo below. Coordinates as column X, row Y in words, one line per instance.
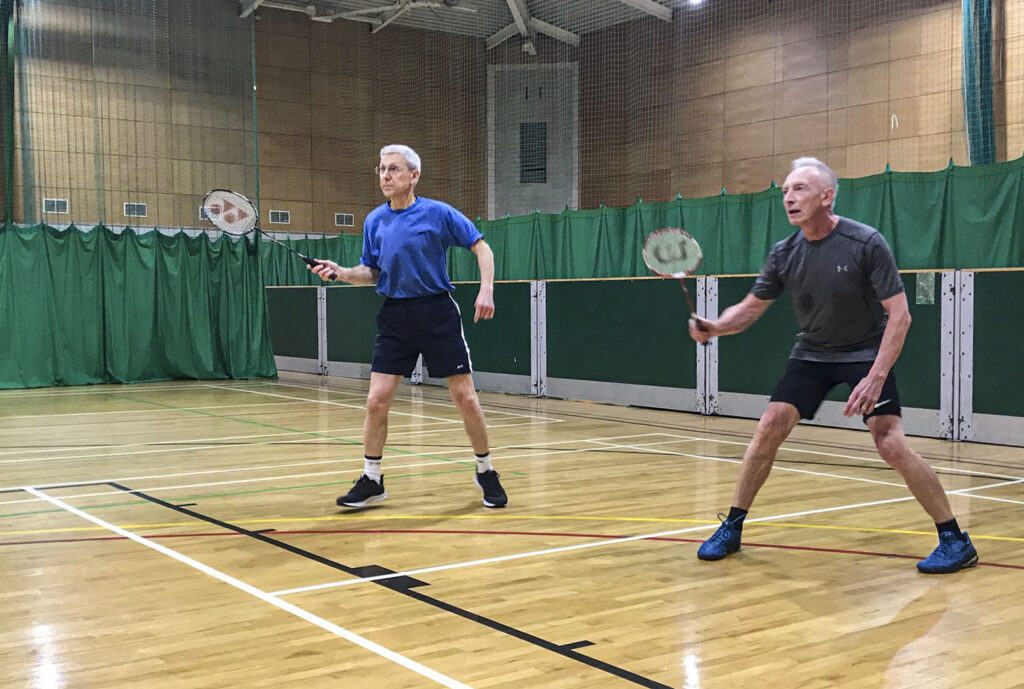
column 777, row 421
column 462, row 391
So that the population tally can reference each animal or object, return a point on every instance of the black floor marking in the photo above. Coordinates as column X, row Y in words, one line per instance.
column 405, row 586
column 84, row 484
column 577, row 644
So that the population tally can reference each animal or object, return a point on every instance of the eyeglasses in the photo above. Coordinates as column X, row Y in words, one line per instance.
column 388, row 170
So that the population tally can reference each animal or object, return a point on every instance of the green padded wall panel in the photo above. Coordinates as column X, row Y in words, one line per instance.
column 622, row 331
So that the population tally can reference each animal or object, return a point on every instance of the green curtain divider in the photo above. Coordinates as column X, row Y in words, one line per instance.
column 97, row 306
column 283, row 268
column 961, row 217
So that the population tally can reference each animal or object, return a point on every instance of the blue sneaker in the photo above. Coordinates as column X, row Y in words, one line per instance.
column 724, row 541
column 951, row 555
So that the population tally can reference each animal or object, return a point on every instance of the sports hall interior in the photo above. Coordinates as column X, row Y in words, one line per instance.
column 179, row 408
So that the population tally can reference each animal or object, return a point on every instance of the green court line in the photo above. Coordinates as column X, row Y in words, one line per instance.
column 230, row 494
column 310, row 433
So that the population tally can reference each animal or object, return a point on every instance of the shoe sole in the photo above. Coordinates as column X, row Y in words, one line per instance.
column 365, row 503
column 715, row 558
column 492, row 505
column 967, row 565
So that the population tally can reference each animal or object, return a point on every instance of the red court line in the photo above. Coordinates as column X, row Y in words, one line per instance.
column 747, row 544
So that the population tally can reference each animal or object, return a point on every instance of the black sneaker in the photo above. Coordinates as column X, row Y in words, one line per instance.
column 364, row 493
column 494, row 494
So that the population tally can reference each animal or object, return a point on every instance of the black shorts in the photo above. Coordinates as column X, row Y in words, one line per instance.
column 431, row 326
column 806, row 383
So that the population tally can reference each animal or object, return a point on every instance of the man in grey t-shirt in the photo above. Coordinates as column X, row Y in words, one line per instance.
column 852, row 309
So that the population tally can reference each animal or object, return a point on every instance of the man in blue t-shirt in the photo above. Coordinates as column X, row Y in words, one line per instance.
column 405, row 244
column 852, row 310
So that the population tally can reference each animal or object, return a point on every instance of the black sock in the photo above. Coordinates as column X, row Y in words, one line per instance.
column 736, row 516
column 951, row 525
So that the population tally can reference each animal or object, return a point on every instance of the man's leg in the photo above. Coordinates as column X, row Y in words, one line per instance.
column 466, row 401
column 774, row 427
column 887, row 432
column 378, row 402
column 369, row 488
column 955, row 550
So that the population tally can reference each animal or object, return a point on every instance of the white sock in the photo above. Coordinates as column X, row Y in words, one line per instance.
column 371, row 467
column 483, row 463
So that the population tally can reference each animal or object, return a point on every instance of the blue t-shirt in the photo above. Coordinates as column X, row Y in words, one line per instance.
column 410, row 246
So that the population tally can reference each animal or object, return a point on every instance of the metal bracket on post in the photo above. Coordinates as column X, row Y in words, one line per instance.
column 321, row 330
column 965, row 355
column 707, row 355
column 538, row 338
column 949, row 389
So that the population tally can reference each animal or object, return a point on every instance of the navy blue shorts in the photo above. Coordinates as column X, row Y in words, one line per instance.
column 431, row 326
column 806, row 383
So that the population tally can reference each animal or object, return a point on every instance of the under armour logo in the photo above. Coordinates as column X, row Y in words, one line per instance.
column 842, row 269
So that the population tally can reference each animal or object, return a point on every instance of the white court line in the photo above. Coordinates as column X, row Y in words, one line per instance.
column 570, row 548
column 962, row 491
column 967, row 492
column 146, row 410
column 334, row 404
column 108, row 389
column 774, row 468
column 466, row 461
column 413, row 401
column 175, row 445
column 270, row 598
column 875, row 460
column 170, row 446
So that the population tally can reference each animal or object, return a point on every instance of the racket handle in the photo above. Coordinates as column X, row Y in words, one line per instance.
column 313, row 263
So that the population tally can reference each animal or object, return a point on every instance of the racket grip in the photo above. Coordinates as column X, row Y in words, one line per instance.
column 313, row 263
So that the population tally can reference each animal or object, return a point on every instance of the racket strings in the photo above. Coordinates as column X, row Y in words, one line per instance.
column 672, row 253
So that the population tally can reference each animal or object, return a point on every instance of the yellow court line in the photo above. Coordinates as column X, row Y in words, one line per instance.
column 366, row 518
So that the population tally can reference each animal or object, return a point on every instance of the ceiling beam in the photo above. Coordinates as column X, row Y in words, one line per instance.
column 556, row 32
column 391, row 16
column 247, row 7
column 651, row 7
column 521, row 17
column 502, row 35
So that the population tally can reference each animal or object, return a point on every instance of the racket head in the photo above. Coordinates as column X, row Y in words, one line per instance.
column 230, row 212
column 672, row 252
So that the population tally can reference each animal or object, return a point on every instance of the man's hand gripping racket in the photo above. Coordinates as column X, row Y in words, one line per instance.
column 672, row 253
column 233, row 214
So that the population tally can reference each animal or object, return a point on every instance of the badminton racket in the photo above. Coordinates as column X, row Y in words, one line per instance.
column 672, row 253
column 234, row 214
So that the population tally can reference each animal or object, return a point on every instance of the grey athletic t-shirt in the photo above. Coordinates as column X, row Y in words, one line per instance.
column 836, row 285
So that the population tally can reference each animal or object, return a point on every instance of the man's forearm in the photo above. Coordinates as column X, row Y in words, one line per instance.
column 359, row 275
column 893, row 337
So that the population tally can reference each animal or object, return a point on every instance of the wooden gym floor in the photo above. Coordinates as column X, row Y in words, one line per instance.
column 185, row 535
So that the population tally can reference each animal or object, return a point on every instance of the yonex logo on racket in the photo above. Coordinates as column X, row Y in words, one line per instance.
column 225, row 212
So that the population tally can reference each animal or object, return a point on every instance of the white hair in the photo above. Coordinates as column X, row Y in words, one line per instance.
column 412, row 159
column 827, row 173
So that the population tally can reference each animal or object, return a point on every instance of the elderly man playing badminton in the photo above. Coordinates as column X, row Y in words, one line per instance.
column 405, row 242
column 852, row 310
